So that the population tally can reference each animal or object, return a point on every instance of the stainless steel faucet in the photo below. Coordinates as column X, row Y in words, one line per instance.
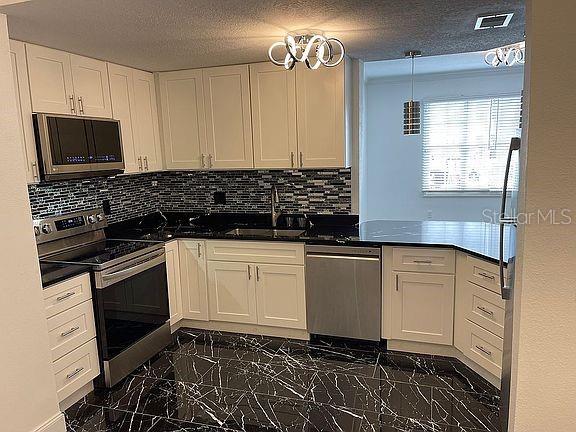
column 274, row 200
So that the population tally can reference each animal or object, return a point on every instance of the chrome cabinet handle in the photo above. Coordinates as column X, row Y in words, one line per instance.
column 292, row 159
column 486, row 275
column 72, row 105
column 146, row 163
column 423, row 261
column 65, row 296
column 81, row 105
column 69, row 332
column 301, row 159
column 76, row 372
column 484, row 350
column 209, row 160
column 249, row 273
column 486, row 311
column 258, row 273
column 202, row 163
column 396, row 282
column 140, row 167
column 199, row 251
column 35, row 173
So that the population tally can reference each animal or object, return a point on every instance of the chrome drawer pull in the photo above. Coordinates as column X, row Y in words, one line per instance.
column 199, row 251
column 65, row 296
column 487, row 276
column 249, row 273
column 486, row 311
column 484, row 350
column 73, row 374
column 423, row 261
column 69, row 332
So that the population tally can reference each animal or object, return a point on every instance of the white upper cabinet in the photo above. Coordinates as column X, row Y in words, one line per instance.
column 23, row 104
column 183, row 119
column 146, row 120
column 51, row 86
column 91, row 87
column 228, row 123
column 273, row 98
column 63, row 83
column 321, row 117
column 124, row 109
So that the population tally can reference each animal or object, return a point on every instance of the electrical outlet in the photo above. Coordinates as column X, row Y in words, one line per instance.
column 154, row 183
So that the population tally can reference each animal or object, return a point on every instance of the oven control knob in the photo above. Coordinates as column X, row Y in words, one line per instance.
column 46, row 229
column 36, row 230
column 92, row 219
column 100, row 217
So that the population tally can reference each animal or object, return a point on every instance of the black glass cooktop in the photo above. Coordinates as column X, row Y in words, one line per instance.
column 104, row 252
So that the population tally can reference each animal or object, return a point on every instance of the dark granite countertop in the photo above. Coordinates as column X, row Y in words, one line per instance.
column 476, row 238
column 53, row 273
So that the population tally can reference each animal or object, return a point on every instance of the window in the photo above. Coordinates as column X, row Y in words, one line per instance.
column 465, row 143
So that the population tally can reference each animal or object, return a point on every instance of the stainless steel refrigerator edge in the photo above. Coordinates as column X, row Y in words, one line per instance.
column 507, row 223
column 343, row 291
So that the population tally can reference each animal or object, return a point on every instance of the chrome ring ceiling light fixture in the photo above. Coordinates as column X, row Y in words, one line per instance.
column 508, row 55
column 312, row 49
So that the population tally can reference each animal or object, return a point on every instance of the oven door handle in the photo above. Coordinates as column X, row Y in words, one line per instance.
column 111, row 278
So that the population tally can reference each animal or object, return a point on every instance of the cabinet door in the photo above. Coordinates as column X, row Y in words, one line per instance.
column 22, row 90
column 91, row 86
column 321, row 117
column 280, row 295
column 273, row 99
column 50, row 75
column 146, row 120
column 123, row 109
column 228, row 124
column 174, row 285
column 232, row 292
column 193, row 280
column 423, row 307
column 183, row 119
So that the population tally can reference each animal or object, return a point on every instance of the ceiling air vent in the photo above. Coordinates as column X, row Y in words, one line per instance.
column 493, row 21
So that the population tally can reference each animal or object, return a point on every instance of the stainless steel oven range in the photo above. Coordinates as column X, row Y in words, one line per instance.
column 129, row 284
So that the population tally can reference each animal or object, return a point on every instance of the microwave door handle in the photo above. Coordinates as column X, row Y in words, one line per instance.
column 514, row 145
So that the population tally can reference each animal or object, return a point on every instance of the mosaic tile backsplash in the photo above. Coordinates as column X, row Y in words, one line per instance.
column 319, row 191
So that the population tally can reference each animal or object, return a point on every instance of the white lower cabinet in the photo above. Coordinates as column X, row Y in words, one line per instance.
column 174, row 285
column 280, row 296
column 76, row 369
column 193, row 279
column 232, row 292
column 423, row 307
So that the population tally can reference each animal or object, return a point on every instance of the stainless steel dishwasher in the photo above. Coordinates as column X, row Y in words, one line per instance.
column 344, row 291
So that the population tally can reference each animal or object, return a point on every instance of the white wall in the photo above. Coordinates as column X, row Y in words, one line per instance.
column 28, row 397
column 544, row 372
column 391, row 179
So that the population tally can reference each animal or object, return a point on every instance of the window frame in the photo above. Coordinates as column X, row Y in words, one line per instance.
column 458, row 193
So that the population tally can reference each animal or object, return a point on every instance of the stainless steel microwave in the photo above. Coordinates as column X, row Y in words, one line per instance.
column 76, row 147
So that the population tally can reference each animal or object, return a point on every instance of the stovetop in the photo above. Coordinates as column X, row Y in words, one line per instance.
column 103, row 254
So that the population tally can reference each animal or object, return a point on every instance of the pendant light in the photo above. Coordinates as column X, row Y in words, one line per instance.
column 412, row 107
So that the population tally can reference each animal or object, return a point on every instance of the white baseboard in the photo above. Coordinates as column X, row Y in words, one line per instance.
column 55, row 424
column 242, row 328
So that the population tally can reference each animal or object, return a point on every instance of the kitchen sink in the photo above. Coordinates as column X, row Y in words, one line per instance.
column 265, row 232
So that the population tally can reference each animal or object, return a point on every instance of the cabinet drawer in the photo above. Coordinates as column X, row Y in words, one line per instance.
column 484, row 307
column 482, row 273
column 481, row 346
column 423, row 260
column 70, row 329
column 256, row 252
column 64, row 295
column 76, row 369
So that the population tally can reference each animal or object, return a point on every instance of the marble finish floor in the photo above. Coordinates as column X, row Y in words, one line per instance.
column 218, row 382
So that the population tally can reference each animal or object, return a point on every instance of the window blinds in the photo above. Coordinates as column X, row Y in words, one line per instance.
column 465, row 143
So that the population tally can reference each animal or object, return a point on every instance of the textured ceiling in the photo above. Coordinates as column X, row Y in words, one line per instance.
column 158, row 35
